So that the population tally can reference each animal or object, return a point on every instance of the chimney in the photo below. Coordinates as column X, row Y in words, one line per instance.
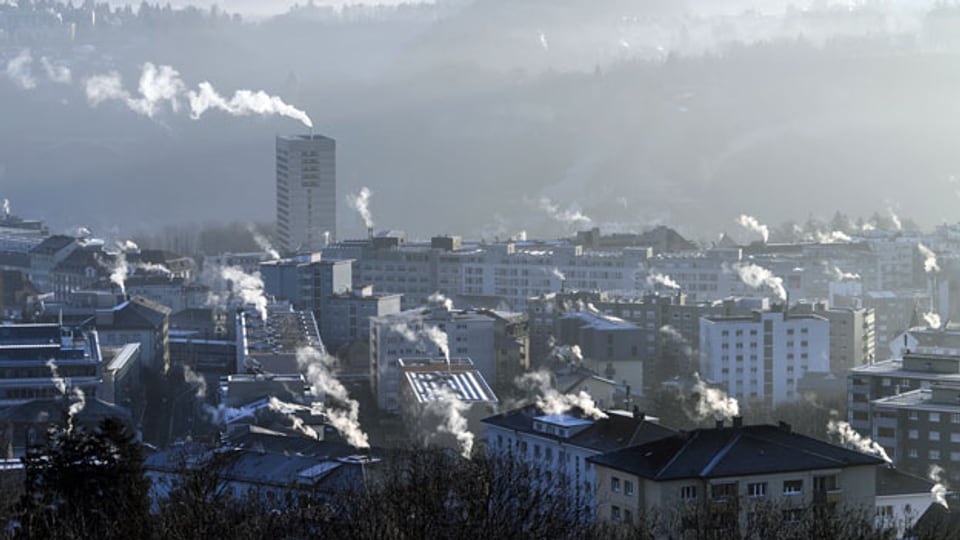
column 641, row 416
column 738, row 421
column 785, row 426
column 719, row 424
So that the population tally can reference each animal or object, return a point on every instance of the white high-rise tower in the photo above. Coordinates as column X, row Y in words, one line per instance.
column 306, row 192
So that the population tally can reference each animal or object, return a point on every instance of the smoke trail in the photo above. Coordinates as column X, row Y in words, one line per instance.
column 895, row 218
column 571, row 354
column 840, row 275
column 543, row 41
column 559, row 275
column 569, row 217
column 939, row 490
column 450, row 408
column 930, row 259
column 319, row 373
column 932, row 319
column 676, row 337
column 851, row 439
column 57, row 73
column 243, row 103
column 79, row 402
column 289, row 411
column 751, row 223
column 157, row 85
column 758, row 276
column 361, row 203
column 152, row 268
column 191, row 377
column 55, row 377
column 832, row 237
column 119, row 272
column 439, row 338
column 18, row 70
column 656, row 278
column 713, row 401
column 550, row 401
column 263, row 242
column 439, row 299
column 6, row 208
column 248, row 288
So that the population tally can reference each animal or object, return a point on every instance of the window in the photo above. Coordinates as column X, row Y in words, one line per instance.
column 615, row 513
column 723, row 491
column 627, row 517
column 758, row 489
column 955, row 418
column 955, row 437
column 792, row 487
column 934, row 417
column 688, row 493
column 934, row 454
column 954, row 456
column 913, row 415
column 615, row 484
column 934, row 435
column 912, row 452
column 628, row 487
column 913, row 434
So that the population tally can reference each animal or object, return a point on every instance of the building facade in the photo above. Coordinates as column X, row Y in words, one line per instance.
column 306, row 192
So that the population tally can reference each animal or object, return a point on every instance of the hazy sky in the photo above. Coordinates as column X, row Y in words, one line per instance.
column 263, row 7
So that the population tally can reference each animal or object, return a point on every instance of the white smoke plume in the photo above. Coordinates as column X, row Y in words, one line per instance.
column 439, row 338
column 263, row 242
column 450, row 409
column 345, row 419
column 6, row 208
column 929, row 259
column 558, row 274
column 289, row 410
column 543, row 40
column 248, row 288
column 570, row 217
column 939, row 489
column 897, row 224
column 851, row 439
column 219, row 415
column 571, row 354
column 439, row 299
column 840, row 275
column 79, row 402
column 55, row 377
column 675, row 336
column 153, row 268
column 162, row 84
column 655, row 278
column 832, row 237
column 361, row 203
column 243, row 103
column 196, row 380
column 932, row 319
column 751, row 223
column 57, row 73
column 758, row 276
column 18, row 70
column 713, row 401
column 551, row 401
column 119, row 272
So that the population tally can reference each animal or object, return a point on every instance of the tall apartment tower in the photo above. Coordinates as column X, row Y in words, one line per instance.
column 306, row 192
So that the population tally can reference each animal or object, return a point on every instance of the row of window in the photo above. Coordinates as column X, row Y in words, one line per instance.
column 727, row 490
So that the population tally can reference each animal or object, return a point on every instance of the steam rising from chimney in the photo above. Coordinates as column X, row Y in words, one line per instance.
column 895, row 218
column 832, row 237
column 55, row 377
column 713, row 401
column 543, row 40
column 939, row 490
column 79, row 402
column 438, row 298
column 840, row 275
column 361, row 203
column 751, row 223
column 655, row 278
column 932, row 319
column 18, row 70
column 550, row 401
column 319, row 372
column 288, row 410
column 239, row 286
column 851, row 439
column 263, row 242
column 758, row 276
column 152, row 268
column 450, row 409
column 6, row 208
column 159, row 84
column 930, row 259
column 119, row 272
column 558, row 274
column 571, row 217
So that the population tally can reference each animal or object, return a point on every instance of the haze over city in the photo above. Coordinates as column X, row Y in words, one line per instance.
column 480, row 269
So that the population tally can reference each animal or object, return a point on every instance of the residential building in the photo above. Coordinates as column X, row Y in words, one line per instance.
column 763, row 357
column 142, row 321
column 121, row 384
column 560, row 445
column 47, row 360
column 306, row 192
column 724, row 472
column 852, row 334
column 901, row 499
column 610, row 346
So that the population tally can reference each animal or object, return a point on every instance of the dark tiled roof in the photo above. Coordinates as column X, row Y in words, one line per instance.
column 140, row 312
column 612, row 433
column 53, row 244
column 721, row 452
column 42, row 411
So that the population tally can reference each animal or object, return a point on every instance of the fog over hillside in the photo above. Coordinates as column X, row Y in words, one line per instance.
column 470, row 113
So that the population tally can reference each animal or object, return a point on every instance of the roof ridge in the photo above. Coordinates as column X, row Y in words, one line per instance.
column 676, row 455
column 722, row 453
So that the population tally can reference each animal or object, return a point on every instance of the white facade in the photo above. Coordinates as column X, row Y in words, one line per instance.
column 468, row 334
column 306, row 192
column 763, row 356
